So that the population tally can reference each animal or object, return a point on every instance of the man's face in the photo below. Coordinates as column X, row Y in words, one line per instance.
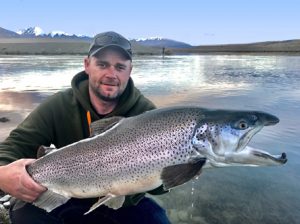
column 108, row 73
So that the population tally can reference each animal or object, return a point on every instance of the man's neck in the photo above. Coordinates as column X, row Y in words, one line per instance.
column 102, row 107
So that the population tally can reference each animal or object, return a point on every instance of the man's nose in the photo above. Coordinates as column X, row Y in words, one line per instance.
column 111, row 71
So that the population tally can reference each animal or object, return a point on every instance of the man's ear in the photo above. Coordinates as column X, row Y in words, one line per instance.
column 87, row 62
column 131, row 66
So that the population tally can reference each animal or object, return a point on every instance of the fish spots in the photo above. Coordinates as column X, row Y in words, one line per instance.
column 126, row 154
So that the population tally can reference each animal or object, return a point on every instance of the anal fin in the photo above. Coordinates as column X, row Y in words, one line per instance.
column 173, row 176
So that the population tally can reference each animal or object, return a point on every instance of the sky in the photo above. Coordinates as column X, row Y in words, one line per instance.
column 196, row 22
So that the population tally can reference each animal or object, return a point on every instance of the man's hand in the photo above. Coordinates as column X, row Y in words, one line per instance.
column 15, row 181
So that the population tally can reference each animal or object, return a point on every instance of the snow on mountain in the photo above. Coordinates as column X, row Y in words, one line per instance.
column 148, row 38
column 149, row 41
column 59, row 33
column 38, row 32
column 31, row 31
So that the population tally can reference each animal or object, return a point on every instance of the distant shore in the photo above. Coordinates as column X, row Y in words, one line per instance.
column 44, row 46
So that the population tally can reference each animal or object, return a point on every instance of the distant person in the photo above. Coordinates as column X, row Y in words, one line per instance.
column 163, row 52
column 102, row 90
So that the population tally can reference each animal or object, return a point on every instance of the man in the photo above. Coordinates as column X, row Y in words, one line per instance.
column 103, row 89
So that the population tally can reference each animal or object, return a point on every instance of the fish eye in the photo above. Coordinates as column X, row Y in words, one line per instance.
column 243, row 125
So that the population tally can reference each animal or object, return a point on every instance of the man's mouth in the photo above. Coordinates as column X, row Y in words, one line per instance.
column 109, row 83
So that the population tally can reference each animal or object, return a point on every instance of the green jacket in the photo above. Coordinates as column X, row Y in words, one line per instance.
column 62, row 120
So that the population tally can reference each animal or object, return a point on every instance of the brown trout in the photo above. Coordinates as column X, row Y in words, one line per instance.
column 167, row 146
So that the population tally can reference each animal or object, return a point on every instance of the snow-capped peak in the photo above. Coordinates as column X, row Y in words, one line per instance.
column 32, row 31
column 149, row 38
column 58, row 33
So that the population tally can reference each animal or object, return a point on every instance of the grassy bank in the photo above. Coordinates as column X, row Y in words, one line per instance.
column 48, row 46
column 271, row 47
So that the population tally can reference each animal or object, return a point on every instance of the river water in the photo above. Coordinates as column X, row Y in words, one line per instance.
column 219, row 195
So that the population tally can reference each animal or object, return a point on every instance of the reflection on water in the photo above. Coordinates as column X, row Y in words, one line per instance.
column 228, row 195
column 37, row 73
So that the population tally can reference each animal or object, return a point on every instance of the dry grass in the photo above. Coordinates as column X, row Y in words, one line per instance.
column 48, row 46
column 77, row 46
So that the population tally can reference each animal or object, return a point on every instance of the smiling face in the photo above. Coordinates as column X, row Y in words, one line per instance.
column 108, row 72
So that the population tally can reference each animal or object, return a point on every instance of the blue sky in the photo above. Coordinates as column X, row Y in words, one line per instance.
column 197, row 22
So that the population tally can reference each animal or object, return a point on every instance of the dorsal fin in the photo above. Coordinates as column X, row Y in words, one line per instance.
column 43, row 150
column 102, row 125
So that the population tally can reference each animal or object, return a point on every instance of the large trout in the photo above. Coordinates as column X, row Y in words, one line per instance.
column 166, row 147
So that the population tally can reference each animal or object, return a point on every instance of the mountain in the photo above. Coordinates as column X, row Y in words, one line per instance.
column 7, row 33
column 38, row 32
column 31, row 32
column 161, row 42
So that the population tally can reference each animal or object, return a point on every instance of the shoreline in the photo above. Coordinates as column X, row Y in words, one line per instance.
column 48, row 46
column 176, row 52
column 14, row 108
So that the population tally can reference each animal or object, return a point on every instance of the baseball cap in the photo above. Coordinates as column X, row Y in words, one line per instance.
column 108, row 39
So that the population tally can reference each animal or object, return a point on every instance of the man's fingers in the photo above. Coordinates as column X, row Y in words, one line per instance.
column 28, row 182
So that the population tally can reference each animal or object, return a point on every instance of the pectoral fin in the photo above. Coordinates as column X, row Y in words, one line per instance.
column 50, row 200
column 173, row 176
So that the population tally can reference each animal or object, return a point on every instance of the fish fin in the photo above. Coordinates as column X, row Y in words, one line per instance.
column 101, row 201
column 102, row 125
column 115, row 202
column 173, row 176
column 43, row 150
column 50, row 200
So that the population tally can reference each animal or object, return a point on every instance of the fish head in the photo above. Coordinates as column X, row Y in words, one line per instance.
column 222, row 137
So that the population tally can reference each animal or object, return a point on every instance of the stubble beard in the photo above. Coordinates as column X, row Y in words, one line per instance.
column 106, row 97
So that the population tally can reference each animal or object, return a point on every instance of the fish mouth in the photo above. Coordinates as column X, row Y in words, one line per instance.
column 276, row 158
column 255, row 157
column 243, row 142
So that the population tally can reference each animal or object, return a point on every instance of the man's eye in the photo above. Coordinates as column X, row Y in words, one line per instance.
column 102, row 65
column 120, row 67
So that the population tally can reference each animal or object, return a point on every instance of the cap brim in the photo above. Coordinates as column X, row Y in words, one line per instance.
column 111, row 45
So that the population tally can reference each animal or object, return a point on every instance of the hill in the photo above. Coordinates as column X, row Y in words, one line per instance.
column 288, row 46
column 161, row 42
column 7, row 33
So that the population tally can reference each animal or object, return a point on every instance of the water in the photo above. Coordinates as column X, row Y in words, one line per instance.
column 227, row 195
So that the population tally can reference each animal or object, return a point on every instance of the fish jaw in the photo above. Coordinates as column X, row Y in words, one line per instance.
column 248, row 157
column 254, row 157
